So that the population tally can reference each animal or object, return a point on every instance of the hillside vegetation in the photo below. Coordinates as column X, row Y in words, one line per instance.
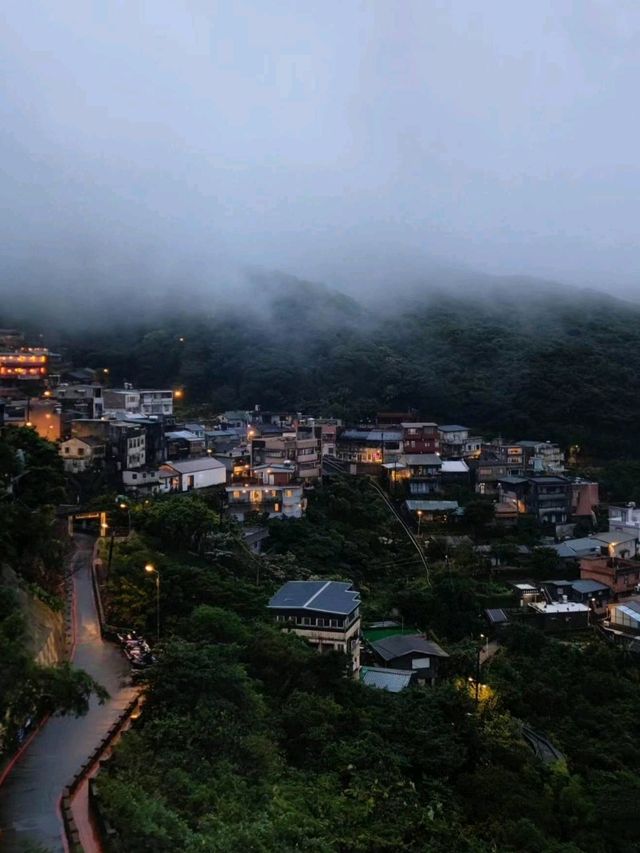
column 514, row 359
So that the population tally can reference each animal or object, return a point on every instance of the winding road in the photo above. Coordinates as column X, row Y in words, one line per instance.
column 30, row 795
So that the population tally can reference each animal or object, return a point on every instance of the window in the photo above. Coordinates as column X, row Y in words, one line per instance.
column 81, row 451
column 289, row 493
column 134, row 476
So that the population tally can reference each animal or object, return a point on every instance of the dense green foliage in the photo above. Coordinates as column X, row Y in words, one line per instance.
column 31, row 482
column 557, row 364
column 251, row 741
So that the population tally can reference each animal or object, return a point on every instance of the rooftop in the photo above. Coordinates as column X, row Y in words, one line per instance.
column 453, row 428
column 417, row 424
column 184, row 434
column 393, row 680
column 454, row 466
column 432, row 506
column 559, row 607
column 190, row 466
column 376, row 435
column 615, row 536
column 422, row 459
column 322, row 596
column 399, row 645
column 589, row 586
column 496, row 616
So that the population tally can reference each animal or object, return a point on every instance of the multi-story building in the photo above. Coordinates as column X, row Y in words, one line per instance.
column 625, row 519
column 156, row 402
column 27, row 363
column 369, row 447
column 324, row 613
column 81, row 401
column 453, row 438
column 622, row 576
column 543, row 456
column 547, row 499
column 300, row 449
column 420, row 437
column 128, row 445
column 119, row 400
column 277, row 501
column 424, row 472
column 82, row 454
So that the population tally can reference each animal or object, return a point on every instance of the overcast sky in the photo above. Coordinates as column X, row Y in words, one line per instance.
column 163, row 140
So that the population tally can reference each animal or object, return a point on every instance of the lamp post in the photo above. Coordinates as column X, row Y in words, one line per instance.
column 419, row 520
column 152, row 570
column 482, row 637
column 124, row 504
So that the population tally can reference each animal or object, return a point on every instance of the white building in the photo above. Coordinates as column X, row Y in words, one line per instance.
column 191, row 474
column 625, row 519
column 156, row 402
column 285, row 501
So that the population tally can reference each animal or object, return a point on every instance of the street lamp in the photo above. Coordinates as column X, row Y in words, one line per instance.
column 419, row 520
column 482, row 638
column 123, row 504
column 151, row 569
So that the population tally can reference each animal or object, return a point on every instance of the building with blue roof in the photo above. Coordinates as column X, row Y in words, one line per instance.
column 324, row 613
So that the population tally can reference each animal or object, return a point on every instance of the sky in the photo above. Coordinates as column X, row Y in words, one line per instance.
column 172, row 142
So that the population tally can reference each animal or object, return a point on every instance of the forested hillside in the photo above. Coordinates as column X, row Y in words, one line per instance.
column 31, row 562
column 515, row 357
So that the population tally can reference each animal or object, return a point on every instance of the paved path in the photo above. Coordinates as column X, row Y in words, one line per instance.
column 30, row 795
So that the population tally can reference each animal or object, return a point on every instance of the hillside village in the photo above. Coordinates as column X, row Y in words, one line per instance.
column 408, row 557
column 441, row 479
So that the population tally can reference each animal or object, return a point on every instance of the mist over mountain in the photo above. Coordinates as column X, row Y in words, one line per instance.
column 522, row 359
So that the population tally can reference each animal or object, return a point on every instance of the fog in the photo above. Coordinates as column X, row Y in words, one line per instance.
column 165, row 144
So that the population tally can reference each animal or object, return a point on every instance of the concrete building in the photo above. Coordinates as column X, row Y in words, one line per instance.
column 560, row 616
column 82, row 400
column 188, row 474
column 542, row 456
column 453, row 438
column 324, row 613
column 277, row 501
column 82, row 454
column 625, row 519
column 367, row 449
column 156, row 402
column 299, row 449
column 622, row 576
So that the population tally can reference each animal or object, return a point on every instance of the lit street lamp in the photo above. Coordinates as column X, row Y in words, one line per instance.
column 419, row 520
column 482, row 638
column 124, row 505
column 151, row 569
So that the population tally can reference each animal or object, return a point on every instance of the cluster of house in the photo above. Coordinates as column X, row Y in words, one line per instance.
column 421, row 460
column 607, row 593
column 266, row 459
column 326, row 613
